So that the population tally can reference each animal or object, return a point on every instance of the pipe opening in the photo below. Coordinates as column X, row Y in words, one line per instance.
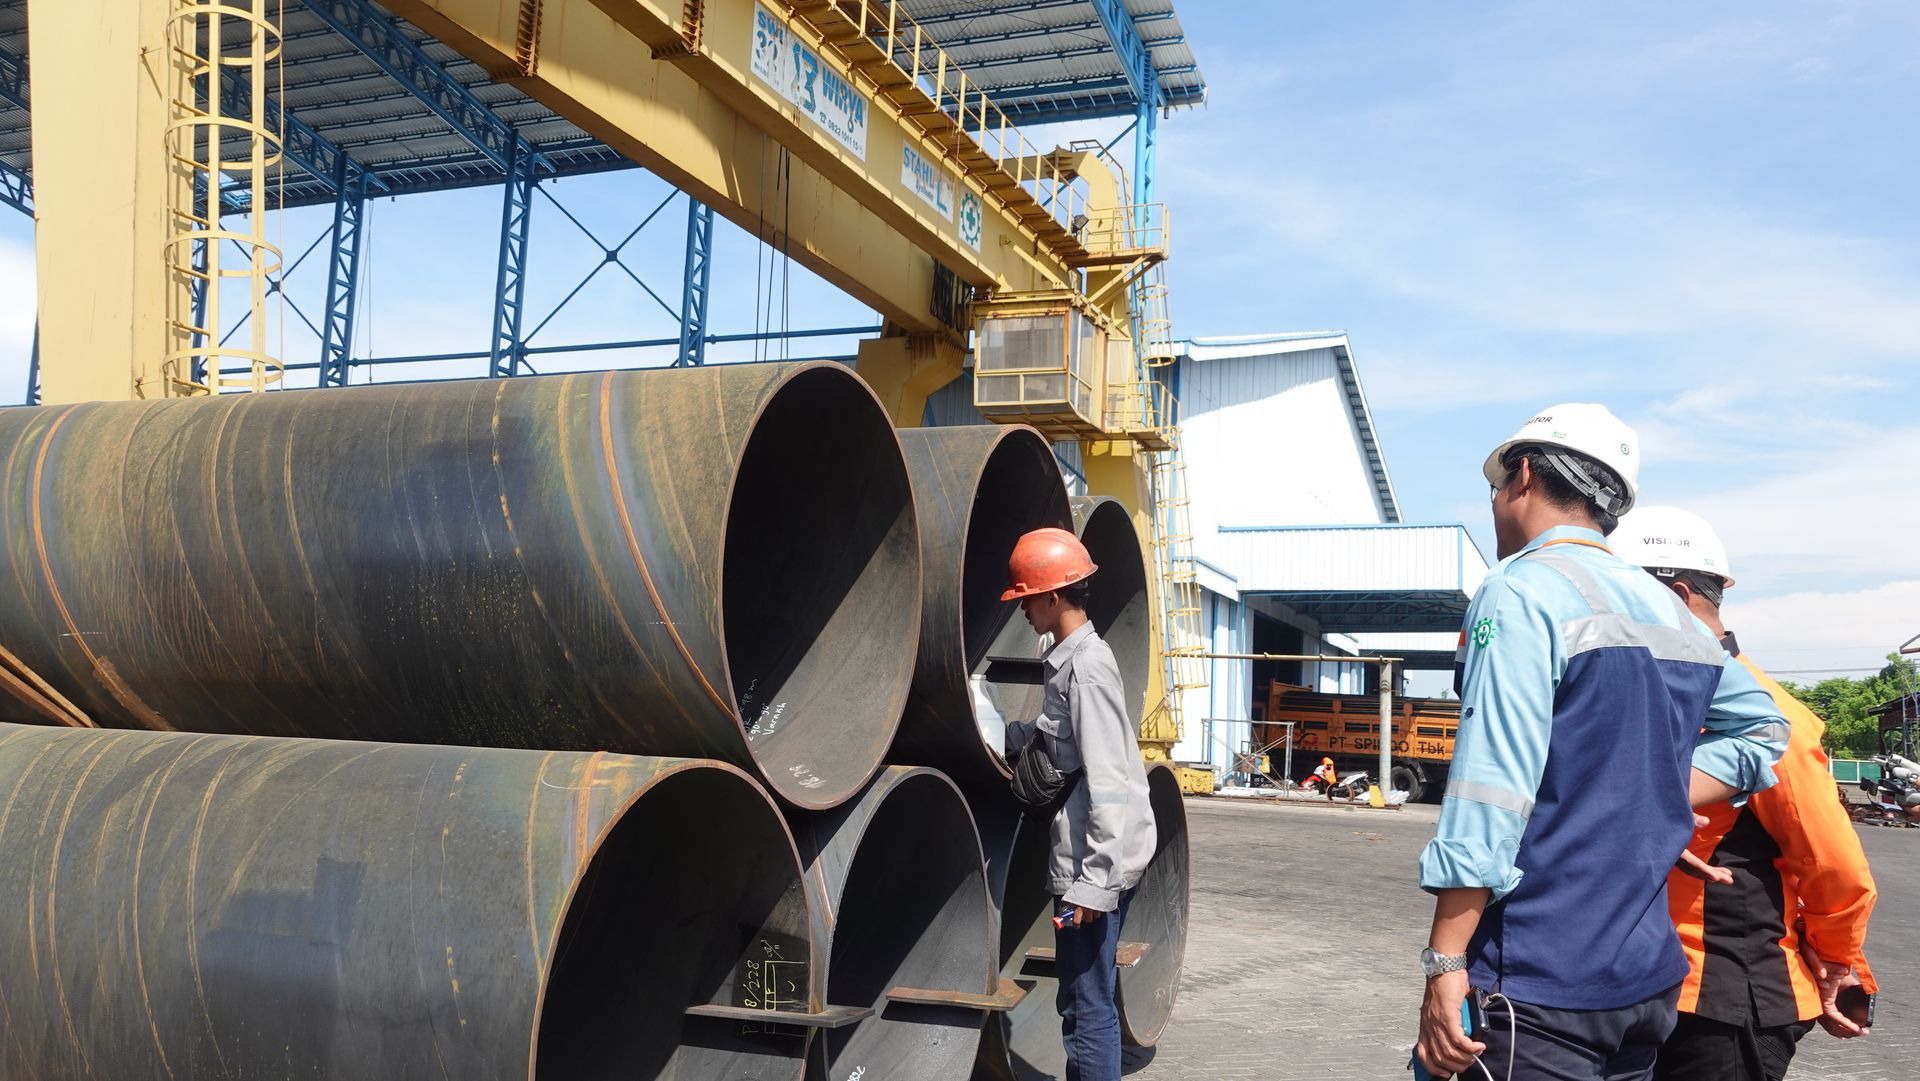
column 1019, row 491
column 1157, row 916
column 914, row 913
column 1119, row 608
column 821, row 587
column 689, row 899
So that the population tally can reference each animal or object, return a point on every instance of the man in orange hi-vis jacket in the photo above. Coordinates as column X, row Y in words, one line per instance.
column 1773, row 917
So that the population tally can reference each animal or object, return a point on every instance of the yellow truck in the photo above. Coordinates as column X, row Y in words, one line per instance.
column 1346, row 728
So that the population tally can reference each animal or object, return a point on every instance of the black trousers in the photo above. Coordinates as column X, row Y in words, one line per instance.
column 1702, row 1049
column 1547, row 1044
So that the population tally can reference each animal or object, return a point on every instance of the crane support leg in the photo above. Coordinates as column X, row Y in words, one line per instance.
column 101, row 78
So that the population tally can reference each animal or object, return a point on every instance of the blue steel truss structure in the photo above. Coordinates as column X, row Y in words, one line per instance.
column 386, row 110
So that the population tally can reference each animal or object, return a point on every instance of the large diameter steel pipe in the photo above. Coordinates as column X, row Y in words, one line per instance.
column 1157, row 917
column 1120, row 607
column 976, row 490
column 1024, row 1043
column 186, row 907
column 720, row 562
column 900, row 900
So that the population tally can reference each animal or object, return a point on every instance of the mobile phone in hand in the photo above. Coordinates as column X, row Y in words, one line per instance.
column 1856, row 1005
column 1472, row 1020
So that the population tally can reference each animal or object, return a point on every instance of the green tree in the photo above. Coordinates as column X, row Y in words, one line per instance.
column 1843, row 703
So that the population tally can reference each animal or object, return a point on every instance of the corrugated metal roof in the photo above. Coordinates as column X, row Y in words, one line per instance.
column 16, row 129
column 332, row 86
column 1359, row 578
column 1049, row 60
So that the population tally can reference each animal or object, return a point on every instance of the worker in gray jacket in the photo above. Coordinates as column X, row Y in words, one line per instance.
column 1103, row 835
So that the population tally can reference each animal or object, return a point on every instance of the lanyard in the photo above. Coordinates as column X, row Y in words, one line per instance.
column 1580, row 541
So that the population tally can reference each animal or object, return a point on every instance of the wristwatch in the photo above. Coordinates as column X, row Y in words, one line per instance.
column 1433, row 964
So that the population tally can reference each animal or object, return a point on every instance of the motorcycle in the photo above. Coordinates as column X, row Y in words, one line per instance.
column 1351, row 787
column 1896, row 792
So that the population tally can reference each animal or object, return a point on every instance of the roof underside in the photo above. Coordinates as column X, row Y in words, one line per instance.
column 1041, row 59
column 1049, row 60
column 1407, row 578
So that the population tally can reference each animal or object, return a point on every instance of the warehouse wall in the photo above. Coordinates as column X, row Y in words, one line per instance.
column 1270, row 440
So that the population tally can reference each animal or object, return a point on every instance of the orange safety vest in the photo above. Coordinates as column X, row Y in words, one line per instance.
column 1796, row 860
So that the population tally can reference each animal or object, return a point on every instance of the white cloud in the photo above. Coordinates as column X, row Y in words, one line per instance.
column 1848, row 515
column 1799, row 636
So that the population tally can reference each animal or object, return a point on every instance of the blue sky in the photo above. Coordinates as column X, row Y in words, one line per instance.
column 1702, row 215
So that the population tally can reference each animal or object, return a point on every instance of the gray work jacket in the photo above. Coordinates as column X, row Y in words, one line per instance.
column 1104, row 836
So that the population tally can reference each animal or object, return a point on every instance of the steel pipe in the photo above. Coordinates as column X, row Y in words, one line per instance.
column 1119, row 608
column 976, row 490
column 900, row 901
column 714, row 562
column 1024, row 1044
column 1157, row 916
column 186, row 907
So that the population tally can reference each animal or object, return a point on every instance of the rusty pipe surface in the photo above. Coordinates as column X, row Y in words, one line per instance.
column 899, row 896
column 202, row 906
column 716, row 562
column 1157, row 916
column 976, row 490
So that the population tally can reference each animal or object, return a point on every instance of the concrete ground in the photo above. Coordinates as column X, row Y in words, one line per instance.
column 1306, row 927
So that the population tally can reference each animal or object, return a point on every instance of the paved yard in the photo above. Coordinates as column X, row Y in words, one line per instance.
column 1306, row 928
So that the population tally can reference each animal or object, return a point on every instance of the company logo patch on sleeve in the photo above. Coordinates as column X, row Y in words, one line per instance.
column 1484, row 631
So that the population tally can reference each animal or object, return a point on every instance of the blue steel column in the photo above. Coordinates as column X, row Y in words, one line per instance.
column 693, row 292
column 510, row 288
column 1146, row 135
column 343, row 275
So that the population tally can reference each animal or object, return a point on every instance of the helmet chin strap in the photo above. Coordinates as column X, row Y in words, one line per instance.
column 1604, row 495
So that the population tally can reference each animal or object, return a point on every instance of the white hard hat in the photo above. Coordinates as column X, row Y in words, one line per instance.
column 1586, row 429
column 1670, row 539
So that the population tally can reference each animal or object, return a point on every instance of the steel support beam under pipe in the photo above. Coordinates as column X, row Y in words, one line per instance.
column 681, row 562
column 239, row 907
column 976, row 490
column 898, row 891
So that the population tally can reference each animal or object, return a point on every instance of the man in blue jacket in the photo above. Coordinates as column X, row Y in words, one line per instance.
column 1584, row 691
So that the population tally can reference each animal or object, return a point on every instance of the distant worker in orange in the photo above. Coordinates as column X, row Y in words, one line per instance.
column 1775, row 943
column 1325, row 777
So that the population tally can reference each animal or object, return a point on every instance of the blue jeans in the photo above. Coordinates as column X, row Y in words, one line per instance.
column 1089, row 1008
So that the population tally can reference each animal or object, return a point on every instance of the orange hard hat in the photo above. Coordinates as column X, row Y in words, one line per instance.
column 1045, row 560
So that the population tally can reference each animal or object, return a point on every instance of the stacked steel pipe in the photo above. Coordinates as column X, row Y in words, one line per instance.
column 359, row 688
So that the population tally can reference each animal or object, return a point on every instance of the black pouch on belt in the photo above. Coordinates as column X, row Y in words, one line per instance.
column 1037, row 784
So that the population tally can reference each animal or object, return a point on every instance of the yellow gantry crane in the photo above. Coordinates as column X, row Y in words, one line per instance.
column 841, row 132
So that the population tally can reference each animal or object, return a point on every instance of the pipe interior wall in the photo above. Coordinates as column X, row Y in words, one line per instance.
column 190, row 906
column 900, row 889
column 976, row 490
column 1119, row 607
column 683, row 562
